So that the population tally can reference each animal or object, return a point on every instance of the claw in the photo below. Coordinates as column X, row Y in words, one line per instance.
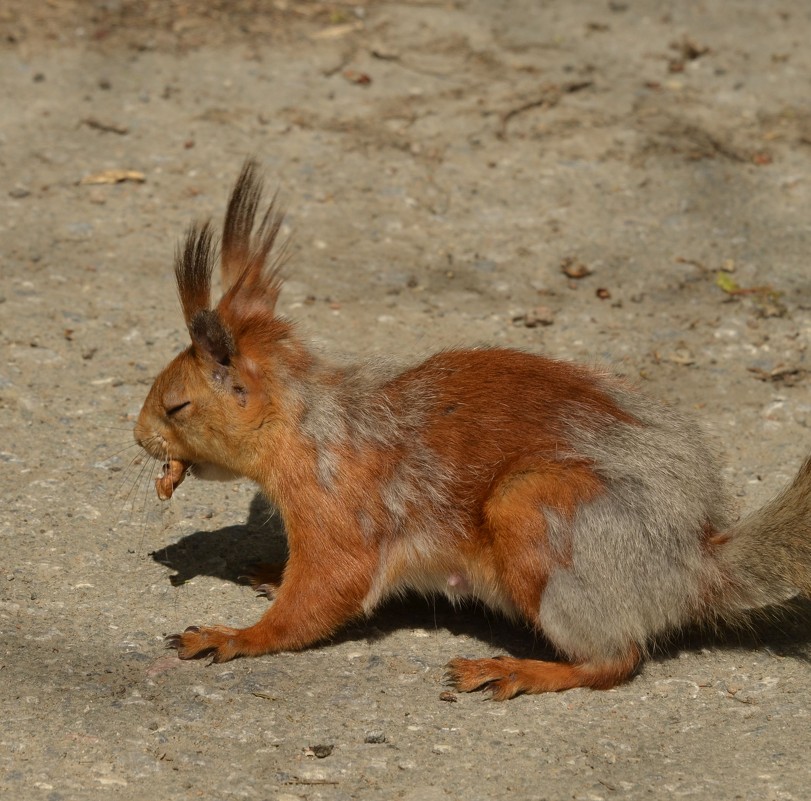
column 265, row 578
column 196, row 642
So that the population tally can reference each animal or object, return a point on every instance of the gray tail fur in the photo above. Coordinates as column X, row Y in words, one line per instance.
column 767, row 556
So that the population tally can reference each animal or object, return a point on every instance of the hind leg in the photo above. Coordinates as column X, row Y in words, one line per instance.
column 505, row 677
column 265, row 578
column 529, row 554
column 524, row 548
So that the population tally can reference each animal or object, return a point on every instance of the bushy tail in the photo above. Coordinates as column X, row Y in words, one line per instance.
column 767, row 556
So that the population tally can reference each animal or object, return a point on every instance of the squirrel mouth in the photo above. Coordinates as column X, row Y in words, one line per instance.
column 174, row 471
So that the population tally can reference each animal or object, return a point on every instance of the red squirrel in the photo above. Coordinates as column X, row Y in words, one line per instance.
column 546, row 490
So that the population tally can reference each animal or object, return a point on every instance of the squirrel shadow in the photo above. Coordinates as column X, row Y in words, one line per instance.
column 229, row 552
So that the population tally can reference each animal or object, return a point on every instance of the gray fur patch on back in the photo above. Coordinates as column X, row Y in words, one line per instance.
column 353, row 410
column 350, row 406
column 637, row 568
column 345, row 408
column 418, row 491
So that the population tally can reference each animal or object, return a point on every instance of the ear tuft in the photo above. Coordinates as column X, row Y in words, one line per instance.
column 210, row 335
column 194, row 262
column 237, row 230
column 247, row 248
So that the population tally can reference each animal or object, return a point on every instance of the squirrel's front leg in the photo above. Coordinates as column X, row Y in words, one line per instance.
column 322, row 589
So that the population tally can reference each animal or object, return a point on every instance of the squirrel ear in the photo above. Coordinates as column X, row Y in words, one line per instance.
column 194, row 262
column 210, row 336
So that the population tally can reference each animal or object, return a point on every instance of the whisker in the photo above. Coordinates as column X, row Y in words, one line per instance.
column 116, row 428
column 121, row 450
column 139, row 463
column 115, row 493
column 132, row 495
column 144, row 507
column 109, row 463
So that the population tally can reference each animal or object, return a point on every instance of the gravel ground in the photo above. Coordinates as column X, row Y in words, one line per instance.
column 622, row 182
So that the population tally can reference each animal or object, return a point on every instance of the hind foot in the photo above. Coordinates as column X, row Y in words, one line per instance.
column 265, row 578
column 505, row 677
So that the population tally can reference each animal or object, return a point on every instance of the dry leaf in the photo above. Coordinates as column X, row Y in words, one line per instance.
column 107, row 127
column 541, row 315
column 682, row 357
column 337, row 31
column 113, row 177
column 786, row 375
column 574, row 268
column 360, row 78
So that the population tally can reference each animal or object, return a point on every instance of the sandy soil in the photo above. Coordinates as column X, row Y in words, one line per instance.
column 445, row 165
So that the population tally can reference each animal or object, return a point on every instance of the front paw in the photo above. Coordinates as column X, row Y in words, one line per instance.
column 219, row 642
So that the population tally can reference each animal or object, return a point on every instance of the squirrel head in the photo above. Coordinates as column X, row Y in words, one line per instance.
column 210, row 402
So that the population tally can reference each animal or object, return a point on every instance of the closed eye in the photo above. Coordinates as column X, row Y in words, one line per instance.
column 171, row 412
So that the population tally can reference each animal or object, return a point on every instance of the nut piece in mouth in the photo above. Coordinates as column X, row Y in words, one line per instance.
column 174, row 471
